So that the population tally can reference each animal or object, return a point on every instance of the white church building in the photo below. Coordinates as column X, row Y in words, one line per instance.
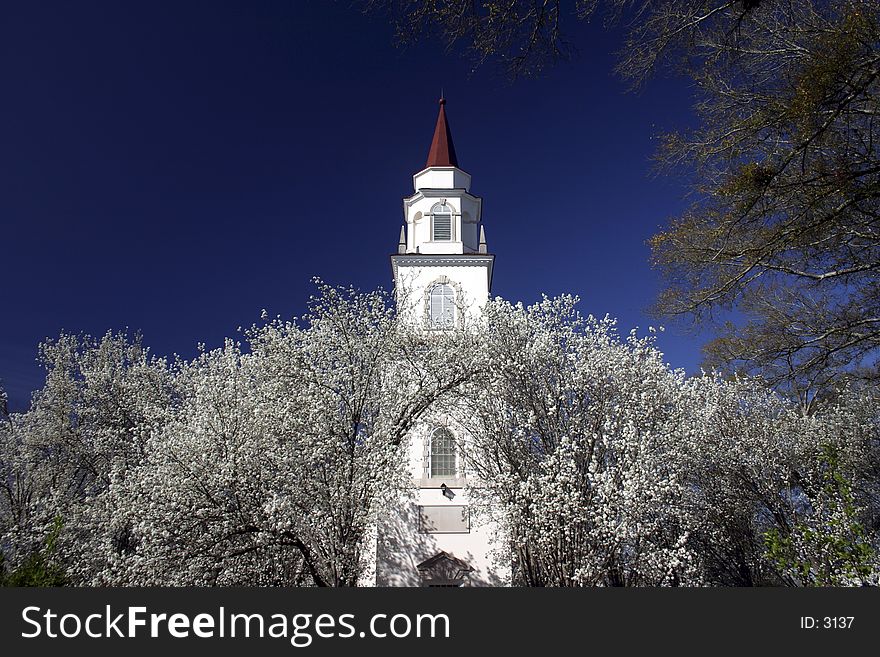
column 442, row 278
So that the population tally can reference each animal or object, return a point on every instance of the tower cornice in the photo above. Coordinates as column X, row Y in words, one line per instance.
column 486, row 260
column 447, row 177
column 441, row 193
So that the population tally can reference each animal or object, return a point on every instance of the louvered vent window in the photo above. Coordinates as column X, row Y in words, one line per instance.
column 442, row 214
column 442, row 307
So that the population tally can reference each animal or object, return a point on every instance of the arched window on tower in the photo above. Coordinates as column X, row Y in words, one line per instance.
column 441, row 307
column 442, row 222
column 442, row 453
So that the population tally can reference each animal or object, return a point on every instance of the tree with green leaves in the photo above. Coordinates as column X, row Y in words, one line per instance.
column 828, row 545
column 786, row 228
column 40, row 567
column 780, row 251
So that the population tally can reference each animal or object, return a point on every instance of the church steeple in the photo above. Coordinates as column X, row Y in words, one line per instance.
column 442, row 217
column 442, row 152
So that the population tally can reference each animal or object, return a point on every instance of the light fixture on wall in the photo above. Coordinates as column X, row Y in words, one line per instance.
column 447, row 491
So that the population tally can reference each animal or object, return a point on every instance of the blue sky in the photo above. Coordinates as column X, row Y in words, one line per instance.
column 175, row 167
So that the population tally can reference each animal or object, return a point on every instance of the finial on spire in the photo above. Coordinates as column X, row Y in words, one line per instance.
column 483, row 248
column 401, row 245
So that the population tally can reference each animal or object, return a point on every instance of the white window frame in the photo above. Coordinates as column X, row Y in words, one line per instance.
column 431, row 462
column 444, row 318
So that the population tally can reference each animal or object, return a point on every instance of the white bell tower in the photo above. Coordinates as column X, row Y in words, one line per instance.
column 442, row 278
column 442, row 270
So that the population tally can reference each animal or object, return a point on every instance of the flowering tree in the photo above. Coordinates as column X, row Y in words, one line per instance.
column 759, row 473
column 575, row 434
column 86, row 427
column 605, row 467
column 276, row 463
column 269, row 463
column 828, row 543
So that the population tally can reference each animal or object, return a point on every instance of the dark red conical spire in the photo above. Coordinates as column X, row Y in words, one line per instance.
column 442, row 153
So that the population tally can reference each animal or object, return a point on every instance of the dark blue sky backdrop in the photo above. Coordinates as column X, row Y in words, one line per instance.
column 175, row 167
